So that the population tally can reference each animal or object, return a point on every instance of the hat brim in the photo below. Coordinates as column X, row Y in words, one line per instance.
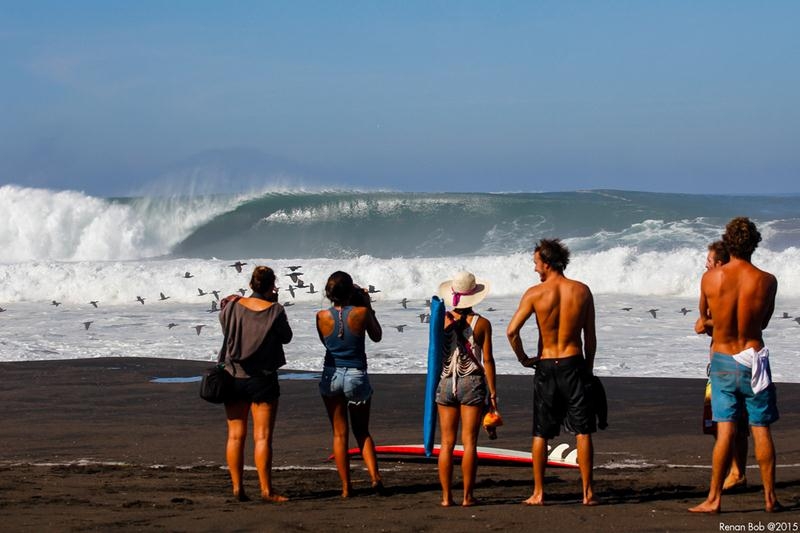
column 467, row 300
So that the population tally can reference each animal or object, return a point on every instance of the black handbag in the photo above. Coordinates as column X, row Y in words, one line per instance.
column 216, row 385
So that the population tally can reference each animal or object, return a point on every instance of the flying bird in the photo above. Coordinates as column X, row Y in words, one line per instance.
column 427, row 302
column 294, row 276
column 404, row 303
column 201, row 292
column 400, row 327
column 372, row 290
column 238, row 266
column 652, row 312
column 489, row 309
column 786, row 315
column 140, row 300
column 287, row 304
column 2, row 310
column 94, row 303
column 187, row 275
column 424, row 318
column 301, row 284
column 626, row 308
column 216, row 294
column 291, row 290
column 294, row 267
column 242, row 292
column 311, row 289
column 213, row 307
column 684, row 311
column 163, row 297
column 56, row 303
column 797, row 320
column 199, row 327
column 87, row 324
column 171, row 325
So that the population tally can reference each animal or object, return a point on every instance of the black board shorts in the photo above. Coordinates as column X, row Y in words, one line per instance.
column 559, row 395
column 260, row 388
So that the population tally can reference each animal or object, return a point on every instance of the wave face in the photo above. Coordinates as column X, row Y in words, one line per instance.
column 386, row 225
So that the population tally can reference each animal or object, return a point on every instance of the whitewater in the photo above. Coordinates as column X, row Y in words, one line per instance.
column 638, row 250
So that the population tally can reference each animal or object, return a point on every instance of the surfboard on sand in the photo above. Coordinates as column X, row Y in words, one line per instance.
column 560, row 455
column 435, row 334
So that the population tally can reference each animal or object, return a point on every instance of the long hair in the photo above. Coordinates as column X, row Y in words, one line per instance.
column 339, row 288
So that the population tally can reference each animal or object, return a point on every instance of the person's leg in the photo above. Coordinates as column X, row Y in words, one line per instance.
column 586, row 465
column 470, row 426
column 264, row 415
column 359, row 419
column 337, row 414
column 539, row 456
column 236, row 413
column 720, row 463
column 737, row 476
column 765, row 455
column 448, row 426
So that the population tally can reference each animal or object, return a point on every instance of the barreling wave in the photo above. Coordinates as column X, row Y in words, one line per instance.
column 46, row 225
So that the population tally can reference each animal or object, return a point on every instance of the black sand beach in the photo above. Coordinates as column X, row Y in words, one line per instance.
column 96, row 445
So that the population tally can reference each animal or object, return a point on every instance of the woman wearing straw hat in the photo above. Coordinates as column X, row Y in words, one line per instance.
column 467, row 373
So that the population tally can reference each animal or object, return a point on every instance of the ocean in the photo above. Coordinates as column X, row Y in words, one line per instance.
column 634, row 249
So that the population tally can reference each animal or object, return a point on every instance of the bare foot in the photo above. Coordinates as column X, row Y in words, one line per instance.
column 241, row 496
column 378, row 488
column 591, row 501
column 534, row 500
column 446, row 503
column 274, row 498
column 469, row 502
column 706, row 507
column 733, row 482
column 775, row 508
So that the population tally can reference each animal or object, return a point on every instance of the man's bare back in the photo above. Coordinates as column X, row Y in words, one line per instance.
column 741, row 299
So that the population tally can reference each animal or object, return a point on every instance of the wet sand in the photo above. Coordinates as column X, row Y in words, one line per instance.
column 96, row 445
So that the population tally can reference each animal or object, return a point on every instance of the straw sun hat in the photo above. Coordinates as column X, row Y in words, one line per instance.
column 463, row 291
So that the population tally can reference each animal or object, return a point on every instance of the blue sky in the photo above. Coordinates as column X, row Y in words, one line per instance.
column 107, row 97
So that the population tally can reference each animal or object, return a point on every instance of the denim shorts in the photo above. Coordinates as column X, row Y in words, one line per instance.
column 470, row 390
column 731, row 393
column 352, row 383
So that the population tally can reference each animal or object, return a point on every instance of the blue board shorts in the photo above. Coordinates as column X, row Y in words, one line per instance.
column 352, row 383
column 731, row 393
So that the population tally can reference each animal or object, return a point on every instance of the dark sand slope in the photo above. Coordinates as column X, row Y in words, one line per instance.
column 95, row 445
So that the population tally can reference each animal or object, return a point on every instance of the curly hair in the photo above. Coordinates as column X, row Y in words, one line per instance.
column 263, row 280
column 741, row 237
column 553, row 253
column 720, row 251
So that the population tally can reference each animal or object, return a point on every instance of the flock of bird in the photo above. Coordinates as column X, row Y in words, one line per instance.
column 684, row 311
column 295, row 276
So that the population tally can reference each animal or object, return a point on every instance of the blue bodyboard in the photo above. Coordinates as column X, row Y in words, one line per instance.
column 435, row 340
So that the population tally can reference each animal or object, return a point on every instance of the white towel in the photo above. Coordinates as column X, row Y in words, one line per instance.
column 758, row 363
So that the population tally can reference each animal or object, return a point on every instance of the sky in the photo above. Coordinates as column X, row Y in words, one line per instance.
column 112, row 97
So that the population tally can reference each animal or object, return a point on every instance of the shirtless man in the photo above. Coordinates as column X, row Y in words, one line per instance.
column 740, row 299
column 717, row 256
column 564, row 310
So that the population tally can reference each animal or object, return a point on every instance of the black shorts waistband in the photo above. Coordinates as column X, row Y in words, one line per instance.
column 561, row 362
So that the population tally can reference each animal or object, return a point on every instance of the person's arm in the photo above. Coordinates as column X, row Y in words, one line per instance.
column 282, row 329
column 589, row 334
column 772, row 291
column 523, row 313
column 319, row 327
column 372, row 326
column 488, row 360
